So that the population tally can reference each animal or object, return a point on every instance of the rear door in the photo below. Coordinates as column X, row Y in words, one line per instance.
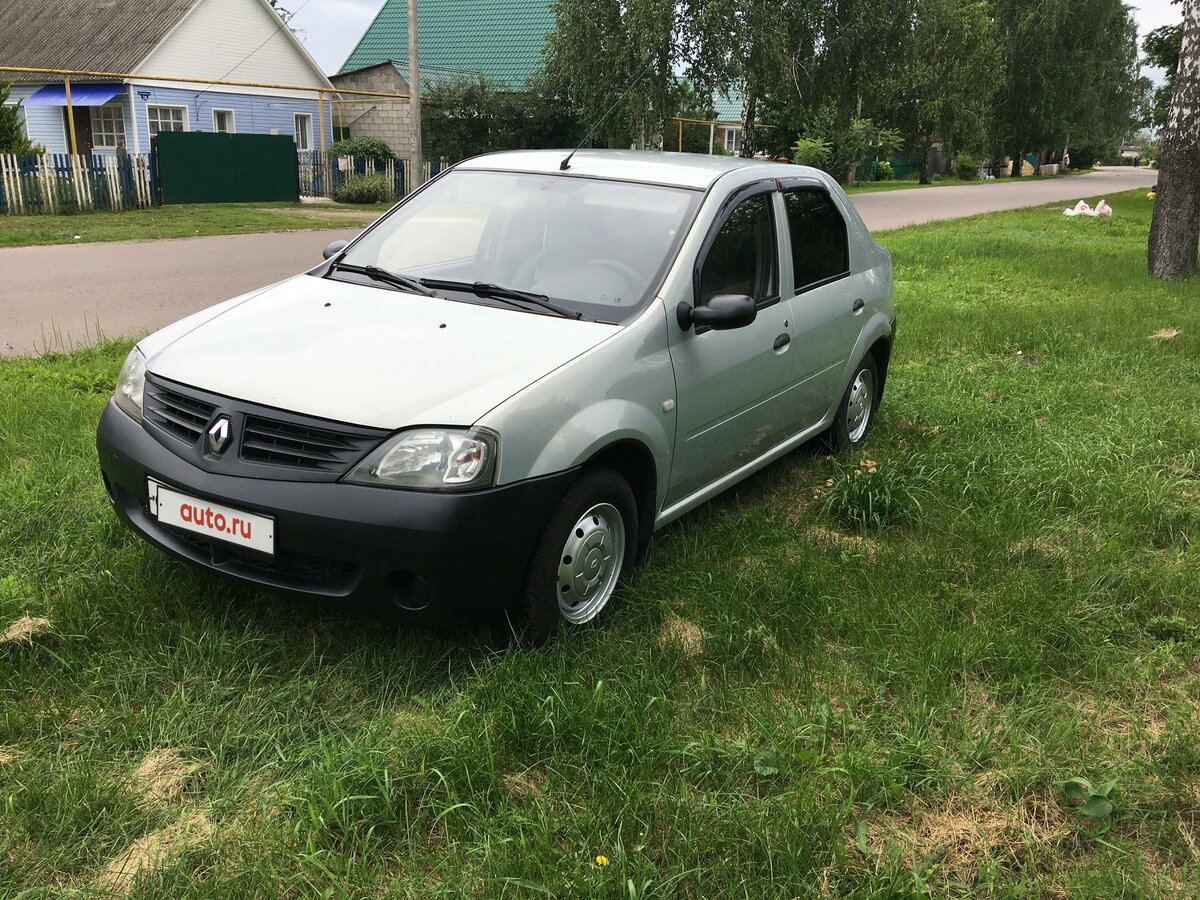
column 733, row 387
column 826, row 297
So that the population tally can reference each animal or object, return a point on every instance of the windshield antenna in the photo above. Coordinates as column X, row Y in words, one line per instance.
column 566, row 163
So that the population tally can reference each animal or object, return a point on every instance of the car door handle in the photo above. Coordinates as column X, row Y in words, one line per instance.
column 859, row 305
column 782, row 341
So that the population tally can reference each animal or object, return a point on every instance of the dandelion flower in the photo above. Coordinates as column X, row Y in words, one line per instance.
column 602, row 860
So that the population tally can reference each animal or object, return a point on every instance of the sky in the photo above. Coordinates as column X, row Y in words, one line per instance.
column 331, row 28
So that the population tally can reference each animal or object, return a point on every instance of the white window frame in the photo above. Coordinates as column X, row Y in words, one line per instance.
column 307, row 132
column 118, row 137
column 733, row 139
column 149, row 106
column 232, row 121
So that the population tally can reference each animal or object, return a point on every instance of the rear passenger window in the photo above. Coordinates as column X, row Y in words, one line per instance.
column 742, row 258
column 819, row 246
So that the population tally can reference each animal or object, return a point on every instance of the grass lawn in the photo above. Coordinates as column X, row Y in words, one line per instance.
column 873, row 187
column 179, row 221
column 788, row 702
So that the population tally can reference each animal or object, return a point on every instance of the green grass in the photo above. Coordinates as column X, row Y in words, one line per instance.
column 874, row 187
column 177, row 221
column 865, row 677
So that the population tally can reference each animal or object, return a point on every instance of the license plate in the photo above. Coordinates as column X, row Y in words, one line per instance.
column 212, row 520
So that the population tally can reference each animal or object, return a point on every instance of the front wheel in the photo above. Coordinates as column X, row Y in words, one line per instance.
column 856, row 412
column 587, row 549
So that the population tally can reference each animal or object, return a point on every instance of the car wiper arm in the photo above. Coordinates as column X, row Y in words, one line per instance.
column 395, row 279
column 497, row 292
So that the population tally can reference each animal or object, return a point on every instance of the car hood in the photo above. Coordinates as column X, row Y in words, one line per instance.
column 365, row 355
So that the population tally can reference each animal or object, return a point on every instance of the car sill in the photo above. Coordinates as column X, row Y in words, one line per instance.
column 687, row 504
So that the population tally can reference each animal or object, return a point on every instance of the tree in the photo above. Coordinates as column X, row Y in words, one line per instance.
column 617, row 55
column 12, row 132
column 1162, row 46
column 1175, row 227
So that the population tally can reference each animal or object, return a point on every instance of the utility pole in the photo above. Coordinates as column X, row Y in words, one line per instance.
column 414, row 96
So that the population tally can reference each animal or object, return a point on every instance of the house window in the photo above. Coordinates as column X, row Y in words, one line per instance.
column 166, row 118
column 733, row 140
column 223, row 121
column 303, row 131
column 108, row 125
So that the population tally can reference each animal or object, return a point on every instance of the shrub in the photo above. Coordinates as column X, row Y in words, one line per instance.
column 966, row 167
column 810, row 152
column 364, row 147
column 884, row 171
column 365, row 189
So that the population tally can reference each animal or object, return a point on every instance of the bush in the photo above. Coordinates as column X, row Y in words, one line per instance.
column 364, row 147
column 365, row 189
column 966, row 167
column 884, row 171
column 810, row 152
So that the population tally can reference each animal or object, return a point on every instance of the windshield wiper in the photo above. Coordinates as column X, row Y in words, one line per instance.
column 395, row 279
column 496, row 292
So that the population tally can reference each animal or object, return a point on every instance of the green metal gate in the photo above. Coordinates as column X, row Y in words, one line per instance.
column 196, row 167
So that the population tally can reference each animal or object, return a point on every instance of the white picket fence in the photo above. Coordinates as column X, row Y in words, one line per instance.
column 59, row 182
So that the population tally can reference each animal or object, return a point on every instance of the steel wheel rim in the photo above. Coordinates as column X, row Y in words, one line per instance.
column 589, row 565
column 858, row 410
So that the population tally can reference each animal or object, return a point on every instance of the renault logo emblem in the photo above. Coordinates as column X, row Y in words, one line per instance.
column 218, row 435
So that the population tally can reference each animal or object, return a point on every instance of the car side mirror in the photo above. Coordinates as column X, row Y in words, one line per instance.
column 335, row 248
column 721, row 313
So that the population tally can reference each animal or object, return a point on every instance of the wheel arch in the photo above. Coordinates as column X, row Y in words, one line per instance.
column 634, row 462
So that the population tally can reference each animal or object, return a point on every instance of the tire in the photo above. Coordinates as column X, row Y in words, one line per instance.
column 570, row 580
column 852, row 422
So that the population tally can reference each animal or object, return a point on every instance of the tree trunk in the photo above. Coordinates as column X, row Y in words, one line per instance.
column 926, row 159
column 1018, row 164
column 1175, row 228
column 748, row 109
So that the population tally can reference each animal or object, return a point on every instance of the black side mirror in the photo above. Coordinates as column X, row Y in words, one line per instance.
column 335, row 248
column 721, row 313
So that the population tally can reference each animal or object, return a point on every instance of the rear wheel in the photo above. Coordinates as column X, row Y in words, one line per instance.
column 587, row 549
column 857, row 409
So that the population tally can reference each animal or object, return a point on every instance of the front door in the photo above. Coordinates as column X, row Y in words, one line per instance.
column 734, row 388
column 83, row 129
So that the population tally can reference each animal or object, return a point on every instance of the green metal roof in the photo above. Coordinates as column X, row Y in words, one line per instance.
column 500, row 39
column 729, row 106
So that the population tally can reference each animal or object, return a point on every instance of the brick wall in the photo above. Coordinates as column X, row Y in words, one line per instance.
column 385, row 118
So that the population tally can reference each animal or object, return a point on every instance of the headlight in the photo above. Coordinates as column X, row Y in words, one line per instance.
column 431, row 459
column 131, row 384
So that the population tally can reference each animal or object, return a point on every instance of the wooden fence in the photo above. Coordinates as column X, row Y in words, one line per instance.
column 58, row 182
column 322, row 173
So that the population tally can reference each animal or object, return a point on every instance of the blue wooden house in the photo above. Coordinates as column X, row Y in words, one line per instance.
column 145, row 49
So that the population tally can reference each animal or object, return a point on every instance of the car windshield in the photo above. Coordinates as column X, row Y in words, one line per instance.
column 596, row 247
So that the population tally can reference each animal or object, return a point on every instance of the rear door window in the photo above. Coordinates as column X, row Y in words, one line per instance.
column 820, row 250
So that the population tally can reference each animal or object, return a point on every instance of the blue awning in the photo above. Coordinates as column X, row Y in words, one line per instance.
column 87, row 94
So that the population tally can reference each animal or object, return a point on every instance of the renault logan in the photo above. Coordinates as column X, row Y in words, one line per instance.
column 489, row 400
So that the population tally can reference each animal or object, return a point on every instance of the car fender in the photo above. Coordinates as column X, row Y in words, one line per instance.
column 622, row 390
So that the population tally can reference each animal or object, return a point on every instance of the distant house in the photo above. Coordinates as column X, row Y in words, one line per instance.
column 728, row 107
column 501, row 40
column 145, row 46
column 385, row 118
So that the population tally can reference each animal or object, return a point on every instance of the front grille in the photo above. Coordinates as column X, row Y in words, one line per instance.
column 180, row 415
column 302, row 446
column 285, row 568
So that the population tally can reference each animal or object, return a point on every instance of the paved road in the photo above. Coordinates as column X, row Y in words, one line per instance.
column 57, row 297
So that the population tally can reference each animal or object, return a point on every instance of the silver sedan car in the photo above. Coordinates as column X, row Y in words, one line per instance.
column 488, row 401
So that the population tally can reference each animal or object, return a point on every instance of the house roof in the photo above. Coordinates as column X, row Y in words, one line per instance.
column 96, row 35
column 729, row 106
column 500, row 39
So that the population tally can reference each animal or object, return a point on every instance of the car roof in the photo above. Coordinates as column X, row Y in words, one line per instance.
column 689, row 170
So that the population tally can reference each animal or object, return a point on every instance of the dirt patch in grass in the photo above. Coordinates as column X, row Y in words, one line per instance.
column 684, row 635
column 163, row 776
column 962, row 834
column 854, row 544
column 151, row 852
column 525, row 785
column 8, row 754
column 1164, row 334
column 26, row 630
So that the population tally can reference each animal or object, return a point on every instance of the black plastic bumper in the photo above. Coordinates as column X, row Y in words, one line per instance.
column 434, row 556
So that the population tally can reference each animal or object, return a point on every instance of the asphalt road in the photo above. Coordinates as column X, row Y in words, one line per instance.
column 59, row 297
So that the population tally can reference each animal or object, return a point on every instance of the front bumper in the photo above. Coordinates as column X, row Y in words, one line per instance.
column 435, row 556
